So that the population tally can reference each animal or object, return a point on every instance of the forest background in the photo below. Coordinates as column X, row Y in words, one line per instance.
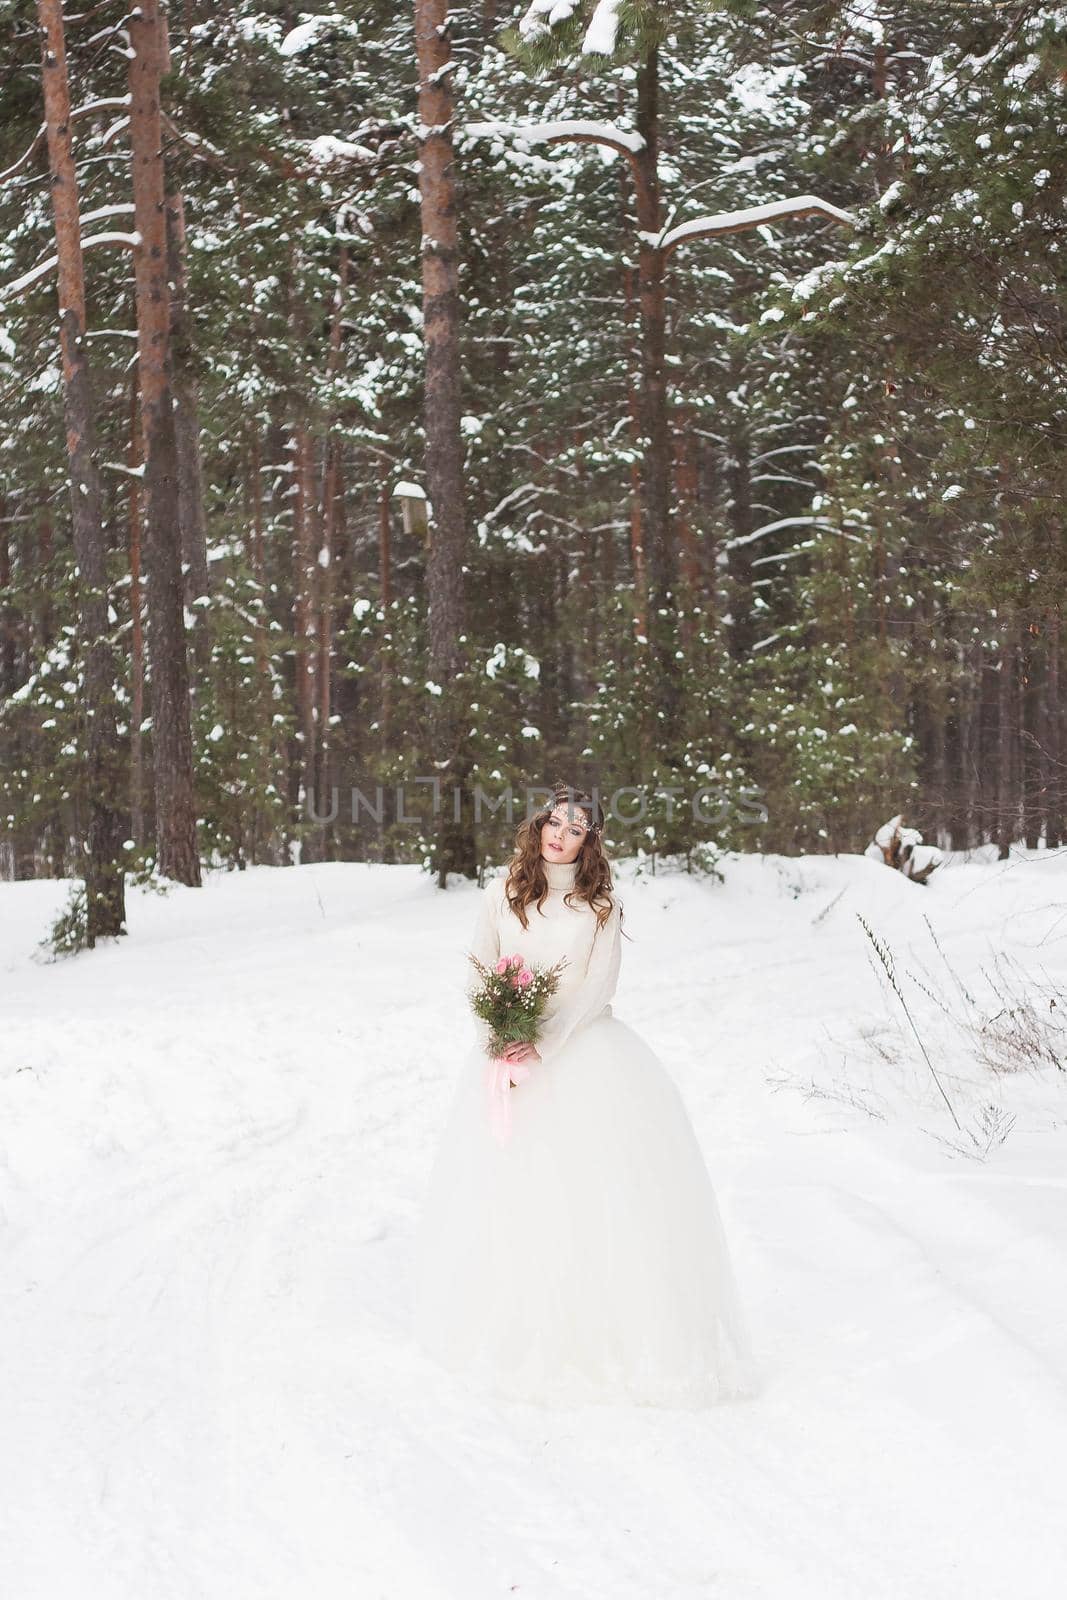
column 724, row 343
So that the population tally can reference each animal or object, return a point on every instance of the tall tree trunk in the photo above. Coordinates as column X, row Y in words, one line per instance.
column 637, row 545
column 45, row 548
column 17, row 750
column 327, row 558
column 688, row 485
column 8, row 683
column 972, row 695
column 134, row 461
column 657, row 531
column 262, row 697
column 324, row 662
column 588, row 663
column 385, row 545
column 1006, row 794
column 658, row 535
column 187, row 436
column 385, row 583
column 279, row 595
column 172, row 743
column 104, row 767
column 738, row 474
column 935, row 710
column 303, row 602
column 455, row 849
column 1031, row 694
column 1052, row 742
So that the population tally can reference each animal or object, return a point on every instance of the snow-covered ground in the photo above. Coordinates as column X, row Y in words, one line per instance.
column 213, row 1144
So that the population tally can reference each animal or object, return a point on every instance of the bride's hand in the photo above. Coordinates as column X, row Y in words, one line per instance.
column 517, row 1053
column 521, row 1052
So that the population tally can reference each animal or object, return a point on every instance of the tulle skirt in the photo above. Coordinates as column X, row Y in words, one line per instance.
column 583, row 1260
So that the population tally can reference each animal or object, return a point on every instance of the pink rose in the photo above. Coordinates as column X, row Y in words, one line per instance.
column 503, row 964
column 516, row 961
column 523, row 978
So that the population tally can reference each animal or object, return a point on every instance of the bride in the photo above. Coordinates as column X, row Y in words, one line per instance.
column 583, row 1258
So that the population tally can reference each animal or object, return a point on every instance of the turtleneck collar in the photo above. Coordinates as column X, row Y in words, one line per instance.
column 560, row 874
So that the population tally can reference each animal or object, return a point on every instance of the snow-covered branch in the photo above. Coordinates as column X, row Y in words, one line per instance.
column 773, row 527
column 45, row 268
column 120, row 102
column 26, row 157
column 304, row 35
column 786, row 555
column 106, row 211
column 523, row 492
column 321, row 155
column 804, row 205
column 330, row 151
column 605, row 133
column 111, row 134
column 601, row 36
column 91, row 107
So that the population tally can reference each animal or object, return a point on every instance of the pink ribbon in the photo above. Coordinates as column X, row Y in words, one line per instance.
column 498, row 1073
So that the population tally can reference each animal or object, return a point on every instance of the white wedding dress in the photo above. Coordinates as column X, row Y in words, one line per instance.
column 583, row 1259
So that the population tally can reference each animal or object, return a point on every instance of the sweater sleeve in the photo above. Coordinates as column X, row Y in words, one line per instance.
column 485, row 944
column 587, row 993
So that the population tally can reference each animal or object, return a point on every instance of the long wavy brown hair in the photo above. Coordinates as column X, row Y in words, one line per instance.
column 527, row 882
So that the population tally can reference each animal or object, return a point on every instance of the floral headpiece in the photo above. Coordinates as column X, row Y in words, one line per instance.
column 574, row 814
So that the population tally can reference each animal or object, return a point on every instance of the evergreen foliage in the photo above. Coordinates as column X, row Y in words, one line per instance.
column 867, row 429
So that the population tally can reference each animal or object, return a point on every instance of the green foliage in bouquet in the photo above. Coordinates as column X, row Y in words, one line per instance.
column 512, row 999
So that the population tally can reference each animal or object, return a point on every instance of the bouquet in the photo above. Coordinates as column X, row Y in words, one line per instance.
column 511, row 1000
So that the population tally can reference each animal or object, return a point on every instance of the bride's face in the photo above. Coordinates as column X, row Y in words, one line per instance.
column 562, row 836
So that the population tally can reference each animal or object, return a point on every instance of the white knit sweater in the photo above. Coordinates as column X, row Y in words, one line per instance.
column 557, row 929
